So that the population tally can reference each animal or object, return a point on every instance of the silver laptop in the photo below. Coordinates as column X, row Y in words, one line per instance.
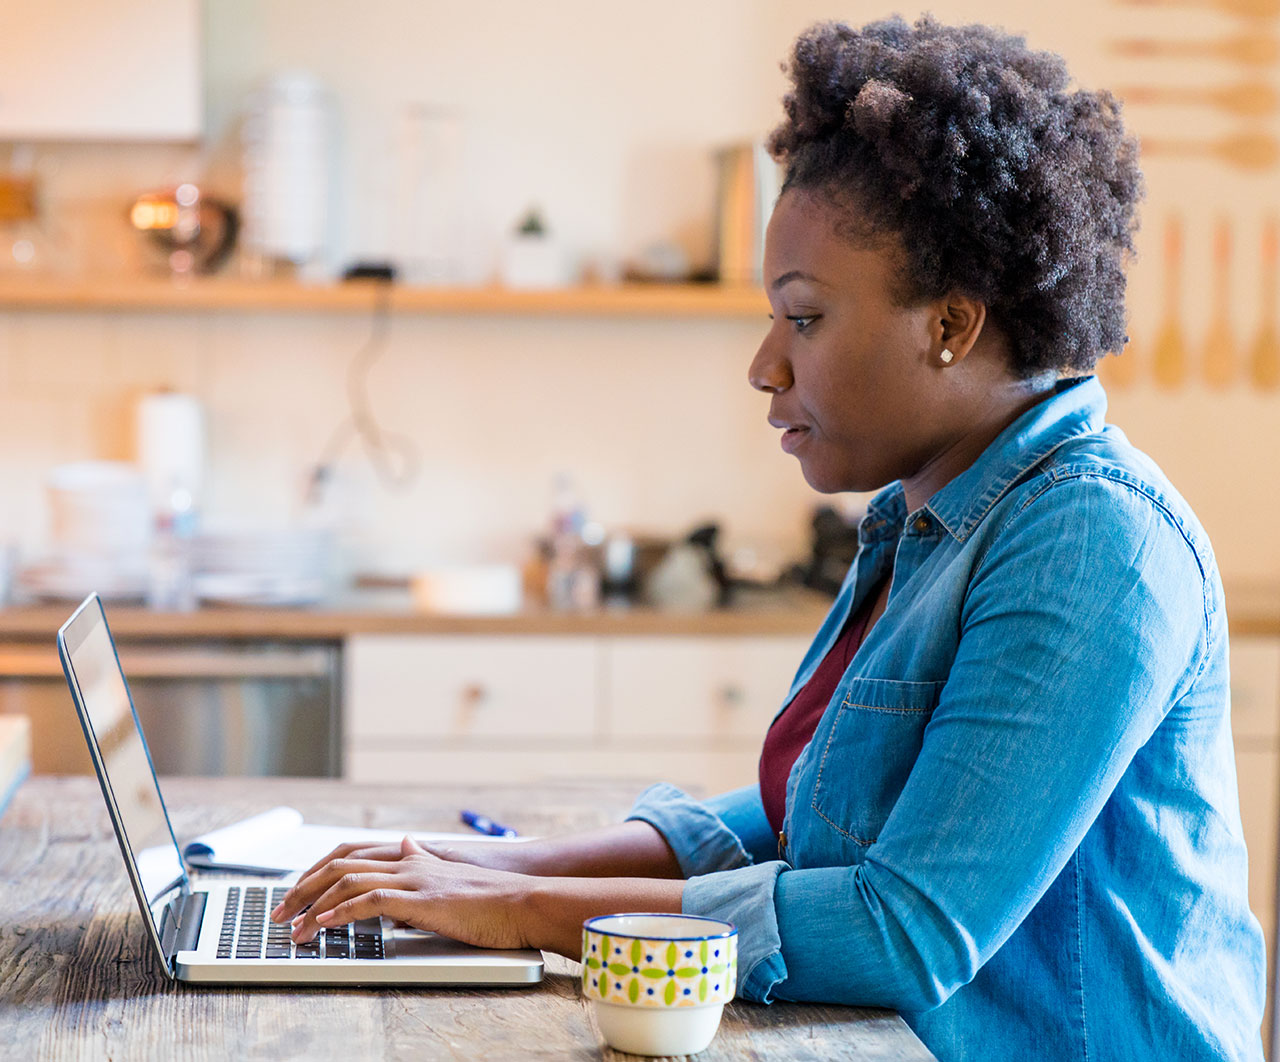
column 218, row 931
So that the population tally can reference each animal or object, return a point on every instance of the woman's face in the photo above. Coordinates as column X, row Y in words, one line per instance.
column 854, row 376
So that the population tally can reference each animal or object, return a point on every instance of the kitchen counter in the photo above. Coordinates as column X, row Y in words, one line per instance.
column 77, row 980
column 1253, row 609
column 391, row 612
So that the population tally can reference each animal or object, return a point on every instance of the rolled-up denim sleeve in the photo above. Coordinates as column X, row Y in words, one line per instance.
column 743, row 812
column 747, row 898
column 700, row 838
column 723, row 848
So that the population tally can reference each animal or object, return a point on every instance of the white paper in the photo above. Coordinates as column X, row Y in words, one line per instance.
column 278, row 841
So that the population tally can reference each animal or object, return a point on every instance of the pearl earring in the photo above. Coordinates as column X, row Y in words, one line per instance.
column 946, row 356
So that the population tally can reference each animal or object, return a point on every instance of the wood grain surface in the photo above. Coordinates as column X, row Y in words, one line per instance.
column 78, row 981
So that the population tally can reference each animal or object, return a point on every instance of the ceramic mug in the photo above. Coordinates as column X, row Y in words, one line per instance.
column 659, row 982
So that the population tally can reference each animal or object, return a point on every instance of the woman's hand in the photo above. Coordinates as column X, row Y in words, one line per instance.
column 516, row 857
column 531, row 894
column 626, row 849
column 473, row 904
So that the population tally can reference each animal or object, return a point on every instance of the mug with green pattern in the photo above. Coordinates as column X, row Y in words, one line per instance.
column 661, row 980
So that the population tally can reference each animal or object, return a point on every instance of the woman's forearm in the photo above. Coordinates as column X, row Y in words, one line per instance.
column 555, row 908
column 624, row 850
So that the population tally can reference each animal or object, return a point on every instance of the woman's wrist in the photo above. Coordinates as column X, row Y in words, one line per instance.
column 552, row 909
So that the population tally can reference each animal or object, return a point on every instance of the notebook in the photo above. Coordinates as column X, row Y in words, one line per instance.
column 278, row 842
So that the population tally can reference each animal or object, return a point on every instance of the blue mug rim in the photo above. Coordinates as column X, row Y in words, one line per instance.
column 731, row 931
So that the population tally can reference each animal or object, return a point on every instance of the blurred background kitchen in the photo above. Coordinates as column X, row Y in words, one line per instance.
column 384, row 366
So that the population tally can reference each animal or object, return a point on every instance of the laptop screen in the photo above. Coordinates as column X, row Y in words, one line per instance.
column 124, row 764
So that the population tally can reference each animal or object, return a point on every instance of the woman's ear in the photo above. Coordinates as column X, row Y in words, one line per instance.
column 959, row 323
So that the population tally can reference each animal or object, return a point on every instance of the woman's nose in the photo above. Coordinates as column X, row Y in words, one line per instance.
column 769, row 371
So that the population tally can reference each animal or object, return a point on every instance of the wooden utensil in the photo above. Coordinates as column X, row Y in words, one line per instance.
column 1219, row 356
column 1247, row 50
column 17, row 198
column 1247, row 99
column 1169, row 358
column 1248, row 151
column 1120, row 371
column 1242, row 8
column 1264, row 357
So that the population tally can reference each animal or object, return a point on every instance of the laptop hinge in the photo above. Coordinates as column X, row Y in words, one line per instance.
column 180, row 925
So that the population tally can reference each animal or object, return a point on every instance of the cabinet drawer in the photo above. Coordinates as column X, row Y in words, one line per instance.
column 470, row 686
column 696, row 770
column 1255, row 688
column 698, row 687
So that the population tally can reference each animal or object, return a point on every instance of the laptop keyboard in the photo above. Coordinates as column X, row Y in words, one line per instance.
column 248, row 934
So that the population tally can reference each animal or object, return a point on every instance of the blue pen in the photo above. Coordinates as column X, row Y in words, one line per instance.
column 484, row 824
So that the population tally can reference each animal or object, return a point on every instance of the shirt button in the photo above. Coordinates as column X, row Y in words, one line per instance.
column 922, row 524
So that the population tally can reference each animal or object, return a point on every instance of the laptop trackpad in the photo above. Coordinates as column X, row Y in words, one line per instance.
column 403, row 942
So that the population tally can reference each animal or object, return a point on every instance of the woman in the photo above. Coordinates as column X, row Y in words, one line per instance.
column 1001, row 796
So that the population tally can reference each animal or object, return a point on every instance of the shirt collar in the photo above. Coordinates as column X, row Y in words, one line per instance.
column 1076, row 407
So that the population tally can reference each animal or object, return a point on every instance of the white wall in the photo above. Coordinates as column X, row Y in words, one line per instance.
column 605, row 115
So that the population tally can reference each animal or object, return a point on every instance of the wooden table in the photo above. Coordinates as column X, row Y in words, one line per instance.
column 77, row 981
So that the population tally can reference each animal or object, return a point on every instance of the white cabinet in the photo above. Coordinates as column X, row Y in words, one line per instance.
column 100, row 70
column 719, row 688
column 499, row 690
column 452, row 709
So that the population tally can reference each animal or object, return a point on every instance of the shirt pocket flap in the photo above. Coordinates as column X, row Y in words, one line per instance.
column 869, row 753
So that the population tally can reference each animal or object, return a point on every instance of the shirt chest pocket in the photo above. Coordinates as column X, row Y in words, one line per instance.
column 869, row 752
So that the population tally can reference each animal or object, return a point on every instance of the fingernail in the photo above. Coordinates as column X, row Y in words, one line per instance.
column 326, row 917
column 278, row 908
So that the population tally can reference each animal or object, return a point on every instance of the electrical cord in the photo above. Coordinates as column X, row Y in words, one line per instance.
column 393, row 455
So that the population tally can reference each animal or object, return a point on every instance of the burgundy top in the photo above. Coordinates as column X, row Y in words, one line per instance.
column 794, row 728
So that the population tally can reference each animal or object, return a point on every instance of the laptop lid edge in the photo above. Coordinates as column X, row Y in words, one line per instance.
column 90, row 612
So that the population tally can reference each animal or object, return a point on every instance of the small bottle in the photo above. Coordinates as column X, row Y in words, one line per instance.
column 170, row 579
column 573, row 580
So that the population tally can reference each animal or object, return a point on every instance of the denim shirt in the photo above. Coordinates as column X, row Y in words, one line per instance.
column 1017, row 821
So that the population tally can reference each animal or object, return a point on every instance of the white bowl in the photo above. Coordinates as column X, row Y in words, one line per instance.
column 476, row 589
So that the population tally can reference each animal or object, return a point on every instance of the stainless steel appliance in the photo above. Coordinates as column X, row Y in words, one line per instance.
column 209, row 707
column 748, row 187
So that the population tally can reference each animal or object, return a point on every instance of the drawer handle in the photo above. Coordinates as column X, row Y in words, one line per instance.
column 732, row 695
column 474, row 695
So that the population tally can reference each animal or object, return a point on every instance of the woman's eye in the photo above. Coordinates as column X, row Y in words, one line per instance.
column 802, row 323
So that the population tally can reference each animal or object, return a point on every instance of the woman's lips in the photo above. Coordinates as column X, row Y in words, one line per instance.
column 793, row 437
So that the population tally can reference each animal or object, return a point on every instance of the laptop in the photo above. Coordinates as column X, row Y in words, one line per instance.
column 218, row 931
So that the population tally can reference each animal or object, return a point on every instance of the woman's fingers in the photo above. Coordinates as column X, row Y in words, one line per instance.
column 400, row 904
column 355, row 850
column 347, row 887
column 290, row 905
column 317, row 882
column 341, row 852
column 338, row 881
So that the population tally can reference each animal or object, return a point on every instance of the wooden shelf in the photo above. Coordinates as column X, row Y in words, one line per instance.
column 623, row 300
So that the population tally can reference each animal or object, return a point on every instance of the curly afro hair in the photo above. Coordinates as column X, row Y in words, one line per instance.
column 997, row 181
